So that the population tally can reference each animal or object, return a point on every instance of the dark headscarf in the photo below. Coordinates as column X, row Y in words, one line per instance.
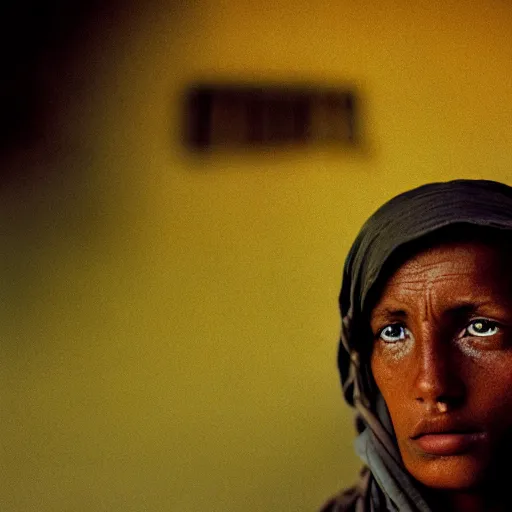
column 404, row 220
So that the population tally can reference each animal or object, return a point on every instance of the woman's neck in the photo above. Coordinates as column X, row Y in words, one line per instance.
column 469, row 502
column 489, row 500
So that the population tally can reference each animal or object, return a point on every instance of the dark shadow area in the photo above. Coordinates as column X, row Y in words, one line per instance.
column 32, row 34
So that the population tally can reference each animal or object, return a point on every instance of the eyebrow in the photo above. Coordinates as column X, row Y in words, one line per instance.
column 462, row 309
column 388, row 314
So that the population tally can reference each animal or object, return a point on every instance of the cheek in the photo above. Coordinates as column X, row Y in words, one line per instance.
column 490, row 390
column 389, row 369
column 393, row 385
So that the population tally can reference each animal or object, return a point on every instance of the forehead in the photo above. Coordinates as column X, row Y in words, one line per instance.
column 457, row 269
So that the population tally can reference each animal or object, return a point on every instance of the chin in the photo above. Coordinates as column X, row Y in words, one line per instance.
column 460, row 472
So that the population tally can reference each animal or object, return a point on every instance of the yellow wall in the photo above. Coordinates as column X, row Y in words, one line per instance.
column 170, row 319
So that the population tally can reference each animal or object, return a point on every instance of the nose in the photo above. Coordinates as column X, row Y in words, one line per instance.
column 438, row 380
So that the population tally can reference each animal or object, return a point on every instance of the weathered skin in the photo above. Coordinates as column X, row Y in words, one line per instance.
column 429, row 366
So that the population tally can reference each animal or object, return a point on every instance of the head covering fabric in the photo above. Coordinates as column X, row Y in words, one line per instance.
column 403, row 220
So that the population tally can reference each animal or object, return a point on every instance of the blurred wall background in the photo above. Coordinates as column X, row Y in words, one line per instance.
column 169, row 318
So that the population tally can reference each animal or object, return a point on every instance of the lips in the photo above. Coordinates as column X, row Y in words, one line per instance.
column 448, row 444
column 444, row 437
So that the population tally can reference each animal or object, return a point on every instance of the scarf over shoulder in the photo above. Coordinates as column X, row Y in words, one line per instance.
column 385, row 484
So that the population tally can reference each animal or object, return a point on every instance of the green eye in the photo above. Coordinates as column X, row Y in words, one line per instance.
column 393, row 333
column 481, row 327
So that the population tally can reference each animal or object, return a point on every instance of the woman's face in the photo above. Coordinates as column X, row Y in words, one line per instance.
column 442, row 359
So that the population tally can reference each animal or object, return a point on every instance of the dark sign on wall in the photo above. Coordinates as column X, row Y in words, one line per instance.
column 243, row 115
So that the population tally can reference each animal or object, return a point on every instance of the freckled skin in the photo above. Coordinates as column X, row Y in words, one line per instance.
column 435, row 295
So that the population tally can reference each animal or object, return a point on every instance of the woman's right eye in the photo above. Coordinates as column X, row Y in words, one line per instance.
column 393, row 333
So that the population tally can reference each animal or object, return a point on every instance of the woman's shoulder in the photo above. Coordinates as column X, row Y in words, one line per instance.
column 353, row 499
column 344, row 502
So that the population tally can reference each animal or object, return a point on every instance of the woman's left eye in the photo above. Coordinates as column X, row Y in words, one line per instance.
column 481, row 327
